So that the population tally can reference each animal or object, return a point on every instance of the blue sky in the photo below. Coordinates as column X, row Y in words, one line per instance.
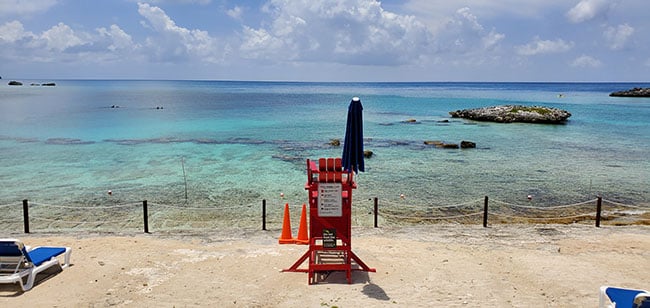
column 336, row 40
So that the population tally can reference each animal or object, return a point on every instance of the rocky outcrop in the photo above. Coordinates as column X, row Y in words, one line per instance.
column 634, row 92
column 433, row 142
column 514, row 113
column 33, row 84
column 467, row 144
column 439, row 144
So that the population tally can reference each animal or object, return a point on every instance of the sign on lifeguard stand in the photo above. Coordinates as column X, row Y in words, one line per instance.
column 330, row 222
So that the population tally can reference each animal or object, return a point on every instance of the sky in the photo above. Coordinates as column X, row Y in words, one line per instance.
column 334, row 40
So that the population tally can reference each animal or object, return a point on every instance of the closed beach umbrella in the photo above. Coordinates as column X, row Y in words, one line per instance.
column 353, row 147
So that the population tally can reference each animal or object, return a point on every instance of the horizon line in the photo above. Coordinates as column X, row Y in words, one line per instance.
column 305, row 81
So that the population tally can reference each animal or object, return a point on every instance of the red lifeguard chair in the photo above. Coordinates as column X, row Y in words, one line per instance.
column 330, row 222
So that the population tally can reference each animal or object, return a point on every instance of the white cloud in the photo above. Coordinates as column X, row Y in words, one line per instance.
column 119, row 40
column 201, row 2
column 259, row 44
column 538, row 46
column 235, row 13
column 158, row 19
column 618, row 36
column 587, row 9
column 341, row 31
column 586, row 61
column 171, row 43
column 492, row 39
column 463, row 33
column 488, row 9
column 25, row 7
column 58, row 44
column 61, row 37
column 468, row 18
column 61, row 43
column 13, row 31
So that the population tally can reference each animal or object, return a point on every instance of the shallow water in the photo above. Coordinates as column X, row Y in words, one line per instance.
column 236, row 143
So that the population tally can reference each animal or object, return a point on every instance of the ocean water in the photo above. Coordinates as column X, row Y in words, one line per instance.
column 230, row 144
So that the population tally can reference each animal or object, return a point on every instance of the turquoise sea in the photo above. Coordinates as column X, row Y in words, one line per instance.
column 234, row 143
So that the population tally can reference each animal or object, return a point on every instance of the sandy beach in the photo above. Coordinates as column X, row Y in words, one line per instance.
column 420, row 266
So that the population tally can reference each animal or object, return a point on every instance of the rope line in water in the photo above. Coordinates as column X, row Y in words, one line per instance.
column 545, row 207
column 431, row 218
column 360, row 206
column 138, row 203
column 626, row 205
column 85, row 207
column 542, row 218
column 165, row 221
column 433, row 206
column 200, row 208
column 494, row 214
column 83, row 222
column 616, row 215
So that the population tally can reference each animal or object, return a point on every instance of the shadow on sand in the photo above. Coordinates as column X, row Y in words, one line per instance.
column 358, row 277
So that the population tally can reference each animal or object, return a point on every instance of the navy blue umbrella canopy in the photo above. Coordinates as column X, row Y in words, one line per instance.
column 352, row 157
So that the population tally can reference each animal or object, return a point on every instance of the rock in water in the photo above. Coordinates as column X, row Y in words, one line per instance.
column 467, row 144
column 514, row 113
column 635, row 92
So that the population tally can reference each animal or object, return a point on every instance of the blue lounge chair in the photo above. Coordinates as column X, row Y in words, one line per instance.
column 624, row 298
column 18, row 261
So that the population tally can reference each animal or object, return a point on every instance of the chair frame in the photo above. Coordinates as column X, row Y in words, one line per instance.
column 18, row 264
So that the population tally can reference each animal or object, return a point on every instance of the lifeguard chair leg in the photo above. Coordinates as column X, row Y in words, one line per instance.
column 363, row 266
column 294, row 267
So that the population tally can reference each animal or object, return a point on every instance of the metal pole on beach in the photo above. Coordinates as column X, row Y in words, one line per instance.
column 264, row 214
column 485, row 212
column 376, row 210
column 599, row 207
column 26, row 215
column 145, row 215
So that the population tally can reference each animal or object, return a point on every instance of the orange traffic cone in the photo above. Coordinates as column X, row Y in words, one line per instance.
column 286, row 237
column 303, row 236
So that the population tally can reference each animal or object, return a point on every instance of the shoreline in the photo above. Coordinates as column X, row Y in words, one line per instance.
column 420, row 266
column 126, row 218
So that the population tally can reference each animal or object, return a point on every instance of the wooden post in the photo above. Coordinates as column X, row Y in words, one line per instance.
column 26, row 215
column 145, row 215
column 599, row 207
column 264, row 214
column 485, row 212
column 376, row 210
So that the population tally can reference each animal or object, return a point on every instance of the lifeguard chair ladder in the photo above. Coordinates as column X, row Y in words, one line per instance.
column 330, row 222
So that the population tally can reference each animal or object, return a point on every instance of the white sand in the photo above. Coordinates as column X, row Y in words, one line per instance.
column 423, row 266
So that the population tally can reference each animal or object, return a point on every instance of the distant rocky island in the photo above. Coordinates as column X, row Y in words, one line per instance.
column 514, row 113
column 634, row 92
column 18, row 83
